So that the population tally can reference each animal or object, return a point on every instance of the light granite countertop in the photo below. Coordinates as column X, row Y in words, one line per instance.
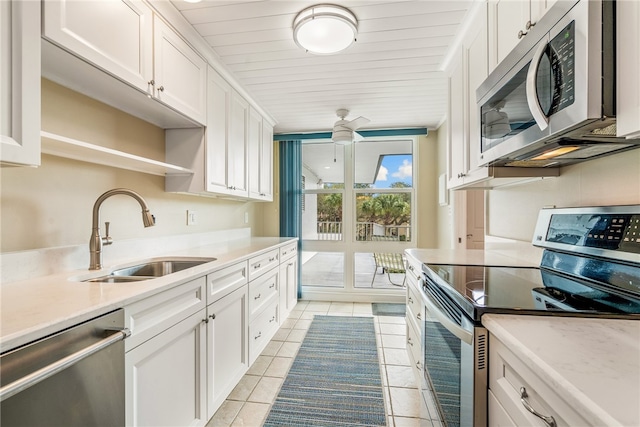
column 33, row 308
column 593, row 363
column 467, row 257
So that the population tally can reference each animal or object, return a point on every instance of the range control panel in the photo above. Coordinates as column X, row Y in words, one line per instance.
column 618, row 232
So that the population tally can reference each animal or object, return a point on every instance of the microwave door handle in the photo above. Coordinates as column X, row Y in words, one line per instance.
column 452, row 327
column 532, row 93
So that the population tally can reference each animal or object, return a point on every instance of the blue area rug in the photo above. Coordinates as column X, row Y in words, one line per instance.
column 335, row 378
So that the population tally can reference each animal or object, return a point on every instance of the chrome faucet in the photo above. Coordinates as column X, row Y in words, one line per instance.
column 96, row 242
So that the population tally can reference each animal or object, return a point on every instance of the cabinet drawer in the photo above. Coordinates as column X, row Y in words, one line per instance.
column 414, row 348
column 288, row 251
column 415, row 306
column 262, row 291
column 262, row 263
column 149, row 317
column 262, row 329
column 507, row 374
column 225, row 281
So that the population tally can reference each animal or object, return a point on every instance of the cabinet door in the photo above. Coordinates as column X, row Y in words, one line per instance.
column 20, row 82
column 288, row 286
column 509, row 18
column 455, row 126
column 218, row 105
column 180, row 74
column 476, row 70
column 116, row 35
column 227, row 346
column 255, row 142
column 164, row 385
column 266, row 162
column 238, row 140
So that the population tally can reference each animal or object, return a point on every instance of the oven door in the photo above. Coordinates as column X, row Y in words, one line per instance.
column 455, row 365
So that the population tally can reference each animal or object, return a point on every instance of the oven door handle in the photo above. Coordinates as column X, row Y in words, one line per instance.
column 532, row 92
column 434, row 311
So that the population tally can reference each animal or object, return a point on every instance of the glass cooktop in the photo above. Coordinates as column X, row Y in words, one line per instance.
column 481, row 289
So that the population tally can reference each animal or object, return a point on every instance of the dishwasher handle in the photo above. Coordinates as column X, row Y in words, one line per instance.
column 55, row 367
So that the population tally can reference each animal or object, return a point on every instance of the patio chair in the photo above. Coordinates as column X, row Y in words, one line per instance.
column 390, row 262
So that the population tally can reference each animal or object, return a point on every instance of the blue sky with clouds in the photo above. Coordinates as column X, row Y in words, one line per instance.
column 394, row 168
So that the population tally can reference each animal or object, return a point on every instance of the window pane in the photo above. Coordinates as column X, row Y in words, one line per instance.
column 322, row 217
column 383, row 214
column 323, row 165
column 324, row 269
column 379, row 270
column 383, row 164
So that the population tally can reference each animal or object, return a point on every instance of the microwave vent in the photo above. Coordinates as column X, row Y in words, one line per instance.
column 609, row 130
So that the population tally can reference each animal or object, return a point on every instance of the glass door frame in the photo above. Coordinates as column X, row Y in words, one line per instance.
column 348, row 245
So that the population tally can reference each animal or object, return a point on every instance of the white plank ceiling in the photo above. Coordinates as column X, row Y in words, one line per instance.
column 391, row 75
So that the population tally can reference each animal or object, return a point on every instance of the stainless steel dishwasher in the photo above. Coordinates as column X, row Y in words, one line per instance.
column 72, row 378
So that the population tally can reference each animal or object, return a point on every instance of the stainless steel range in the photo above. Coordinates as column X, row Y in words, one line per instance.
column 590, row 267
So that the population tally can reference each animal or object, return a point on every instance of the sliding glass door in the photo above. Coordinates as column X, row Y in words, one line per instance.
column 356, row 216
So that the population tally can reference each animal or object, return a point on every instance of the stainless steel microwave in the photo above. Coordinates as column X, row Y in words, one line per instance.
column 551, row 102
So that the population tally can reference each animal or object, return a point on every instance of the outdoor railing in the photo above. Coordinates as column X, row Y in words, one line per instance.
column 332, row 230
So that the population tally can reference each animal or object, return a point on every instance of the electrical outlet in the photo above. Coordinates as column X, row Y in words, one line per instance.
column 191, row 217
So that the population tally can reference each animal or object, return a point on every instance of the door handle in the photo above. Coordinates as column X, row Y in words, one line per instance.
column 532, row 92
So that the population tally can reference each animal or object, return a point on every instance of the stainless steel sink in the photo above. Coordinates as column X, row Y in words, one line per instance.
column 150, row 270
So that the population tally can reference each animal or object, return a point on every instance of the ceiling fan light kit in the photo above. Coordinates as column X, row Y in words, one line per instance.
column 344, row 131
column 325, row 29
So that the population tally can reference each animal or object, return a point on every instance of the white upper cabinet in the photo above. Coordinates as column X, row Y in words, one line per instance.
column 125, row 39
column 87, row 29
column 510, row 21
column 219, row 102
column 20, row 83
column 238, row 145
column 260, row 157
column 180, row 74
column 628, row 68
column 230, row 154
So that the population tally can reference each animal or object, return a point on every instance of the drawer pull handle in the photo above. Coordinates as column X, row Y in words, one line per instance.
column 419, row 316
column 272, row 259
column 290, row 264
column 523, row 399
column 213, row 316
column 273, row 285
column 410, row 300
column 273, row 319
column 418, row 365
column 256, row 266
column 258, row 336
column 409, row 341
column 258, row 297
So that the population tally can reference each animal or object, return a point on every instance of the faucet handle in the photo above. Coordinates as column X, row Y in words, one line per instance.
column 107, row 240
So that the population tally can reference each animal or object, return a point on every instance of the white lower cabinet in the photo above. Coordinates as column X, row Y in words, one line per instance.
column 262, row 327
column 509, row 377
column 288, row 286
column 164, row 381
column 227, row 346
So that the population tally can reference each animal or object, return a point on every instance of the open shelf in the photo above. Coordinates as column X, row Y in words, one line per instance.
column 61, row 146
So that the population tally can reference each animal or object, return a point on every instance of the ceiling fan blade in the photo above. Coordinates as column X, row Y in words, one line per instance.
column 357, row 137
column 357, row 123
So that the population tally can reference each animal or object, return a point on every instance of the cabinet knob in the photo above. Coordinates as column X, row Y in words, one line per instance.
column 161, row 89
column 205, row 320
column 548, row 420
column 212, row 317
column 151, row 83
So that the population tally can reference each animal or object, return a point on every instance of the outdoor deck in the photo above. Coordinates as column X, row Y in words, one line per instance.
column 326, row 269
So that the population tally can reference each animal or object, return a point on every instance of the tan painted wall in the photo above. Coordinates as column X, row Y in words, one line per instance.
column 426, row 215
column 52, row 205
column 445, row 213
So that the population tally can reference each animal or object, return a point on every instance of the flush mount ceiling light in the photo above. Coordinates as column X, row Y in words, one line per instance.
column 324, row 29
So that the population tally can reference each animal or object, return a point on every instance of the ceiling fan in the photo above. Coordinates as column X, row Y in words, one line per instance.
column 344, row 131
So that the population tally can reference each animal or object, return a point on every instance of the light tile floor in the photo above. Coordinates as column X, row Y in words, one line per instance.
column 249, row 403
